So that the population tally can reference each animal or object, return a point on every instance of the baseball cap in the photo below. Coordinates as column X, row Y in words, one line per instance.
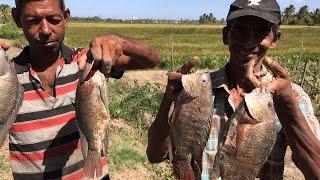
column 266, row 9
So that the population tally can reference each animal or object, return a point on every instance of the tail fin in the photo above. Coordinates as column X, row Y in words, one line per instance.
column 92, row 165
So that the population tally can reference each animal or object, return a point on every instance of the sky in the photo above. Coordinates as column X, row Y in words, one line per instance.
column 160, row 9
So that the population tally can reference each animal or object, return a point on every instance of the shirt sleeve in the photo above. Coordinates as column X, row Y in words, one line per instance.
column 307, row 110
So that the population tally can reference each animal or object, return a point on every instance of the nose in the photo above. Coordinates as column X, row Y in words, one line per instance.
column 45, row 28
column 251, row 40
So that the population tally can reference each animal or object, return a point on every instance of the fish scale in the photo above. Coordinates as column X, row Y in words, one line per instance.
column 190, row 125
column 93, row 117
column 247, row 144
column 11, row 95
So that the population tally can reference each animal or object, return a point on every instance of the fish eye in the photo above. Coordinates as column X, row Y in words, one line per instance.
column 270, row 104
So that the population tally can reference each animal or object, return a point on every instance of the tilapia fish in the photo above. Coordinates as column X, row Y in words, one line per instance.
column 11, row 95
column 247, row 143
column 190, row 125
column 93, row 117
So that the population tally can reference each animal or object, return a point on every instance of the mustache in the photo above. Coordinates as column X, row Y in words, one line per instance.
column 242, row 49
column 44, row 39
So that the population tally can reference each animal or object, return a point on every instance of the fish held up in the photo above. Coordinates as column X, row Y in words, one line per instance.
column 11, row 95
column 190, row 125
column 93, row 119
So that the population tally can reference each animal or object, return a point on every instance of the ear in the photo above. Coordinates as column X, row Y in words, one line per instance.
column 66, row 15
column 275, row 40
column 225, row 32
column 16, row 15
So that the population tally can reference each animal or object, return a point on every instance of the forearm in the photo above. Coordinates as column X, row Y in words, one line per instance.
column 158, row 135
column 304, row 145
column 136, row 55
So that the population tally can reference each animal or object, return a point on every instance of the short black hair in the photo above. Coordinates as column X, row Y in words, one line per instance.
column 20, row 4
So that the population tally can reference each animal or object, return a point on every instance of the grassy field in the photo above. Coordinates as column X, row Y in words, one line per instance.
column 134, row 102
column 299, row 46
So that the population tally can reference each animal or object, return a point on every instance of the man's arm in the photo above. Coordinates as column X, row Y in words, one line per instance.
column 158, row 135
column 123, row 53
column 304, row 144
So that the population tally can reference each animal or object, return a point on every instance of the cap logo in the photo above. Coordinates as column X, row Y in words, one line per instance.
column 254, row 2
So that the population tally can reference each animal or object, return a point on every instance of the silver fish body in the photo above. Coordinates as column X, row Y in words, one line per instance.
column 190, row 125
column 93, row 117
column 246, row 146
column 11, row 95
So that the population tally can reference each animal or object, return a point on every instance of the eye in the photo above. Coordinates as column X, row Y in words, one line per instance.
column 54, row 20
column 33, row 20
column 270, row 104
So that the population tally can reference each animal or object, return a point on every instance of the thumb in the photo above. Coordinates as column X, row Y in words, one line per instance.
column 82, row 60
column 4, row 45
column 186, row 68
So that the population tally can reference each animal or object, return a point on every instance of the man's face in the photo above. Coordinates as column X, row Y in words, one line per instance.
column 249, row 37
column 43, row 23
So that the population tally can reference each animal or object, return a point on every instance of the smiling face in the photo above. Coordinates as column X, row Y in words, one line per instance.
column 249, row 37
column 43, row 23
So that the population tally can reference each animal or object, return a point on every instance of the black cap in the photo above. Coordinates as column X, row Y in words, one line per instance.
column 266, row 9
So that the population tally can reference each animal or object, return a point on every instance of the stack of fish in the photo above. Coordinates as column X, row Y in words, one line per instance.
column 248, row 138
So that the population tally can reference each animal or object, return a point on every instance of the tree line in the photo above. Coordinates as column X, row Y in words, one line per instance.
column 290, row 16
column 301, row 17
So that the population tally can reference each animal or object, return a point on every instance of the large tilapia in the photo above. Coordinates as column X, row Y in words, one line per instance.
column 190, row 125
column 247, row 144
column 11, row 95
column 93, row 117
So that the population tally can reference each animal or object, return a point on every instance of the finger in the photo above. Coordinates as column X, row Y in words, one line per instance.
column 261, row 73
column 273, row 87
column 276, row 68
column 95, row 52
column 107, row 54
column 82, row 60
column 4, row 45
column 174, row 77
column 186, row 68
column 250, row 77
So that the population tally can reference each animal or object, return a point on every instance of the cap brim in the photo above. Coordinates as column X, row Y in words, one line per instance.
column 253, row 12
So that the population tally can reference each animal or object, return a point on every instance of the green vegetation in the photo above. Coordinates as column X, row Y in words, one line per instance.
column 12, row 32
column 178, row 43
column 134, row 103
column 137, row 103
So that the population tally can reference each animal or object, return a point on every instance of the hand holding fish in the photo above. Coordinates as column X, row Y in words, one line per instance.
column 280, row 84
column 118, row 53
column 303, row 143
column 174, row 84
column 105, row 51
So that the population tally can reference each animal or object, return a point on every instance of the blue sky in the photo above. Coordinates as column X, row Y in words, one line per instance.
column 162, row 9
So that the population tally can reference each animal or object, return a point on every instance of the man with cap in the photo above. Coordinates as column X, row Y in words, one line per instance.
column 252, row 29
column 44, row 141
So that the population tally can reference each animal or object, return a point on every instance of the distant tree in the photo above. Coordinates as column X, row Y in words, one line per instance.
column 5, row 13
column 304, row 16
column 316, row 16
column 207, row 18
column 289, row 15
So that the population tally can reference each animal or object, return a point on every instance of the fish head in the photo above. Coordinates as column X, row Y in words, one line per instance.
column 260, row 104
column 197, row 84
column 4, row 63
